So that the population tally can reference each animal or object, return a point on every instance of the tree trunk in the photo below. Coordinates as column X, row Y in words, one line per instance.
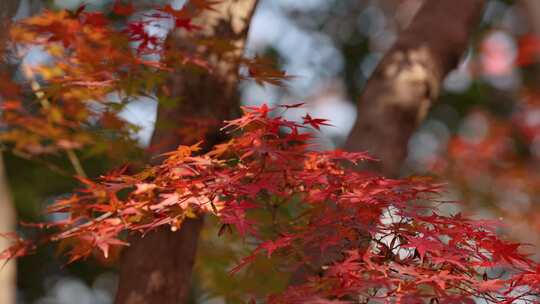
column 156, row 269
column 532, row 8
column 8, row 273
column 408, row 80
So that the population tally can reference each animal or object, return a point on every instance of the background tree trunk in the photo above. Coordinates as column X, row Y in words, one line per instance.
column 157, row 269
column 408, row 79
column 532, row 8
column 8, row 273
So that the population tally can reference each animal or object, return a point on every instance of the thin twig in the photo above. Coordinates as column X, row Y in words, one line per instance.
column 49, row 165
column 36, row 88
column 76, row 163
column 67, row 233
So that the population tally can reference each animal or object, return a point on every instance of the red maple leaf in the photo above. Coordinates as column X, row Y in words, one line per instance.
column 315, row 122
column 186, row 24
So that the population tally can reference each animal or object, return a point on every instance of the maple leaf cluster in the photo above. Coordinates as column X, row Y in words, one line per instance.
column 361, row 236
column 486, row 167
column 355, row 236
column 96, row 66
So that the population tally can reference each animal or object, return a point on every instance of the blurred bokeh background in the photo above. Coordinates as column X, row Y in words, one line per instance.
column 482, row 136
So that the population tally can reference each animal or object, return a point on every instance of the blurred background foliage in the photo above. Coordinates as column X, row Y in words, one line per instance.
column 482, row 136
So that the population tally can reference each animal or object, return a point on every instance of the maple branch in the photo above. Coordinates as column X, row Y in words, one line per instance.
column 78, row 228
column 35, row 86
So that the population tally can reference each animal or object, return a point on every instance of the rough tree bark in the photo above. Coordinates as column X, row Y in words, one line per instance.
column 156, row 269
column 408, row 80
column 8, row 274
